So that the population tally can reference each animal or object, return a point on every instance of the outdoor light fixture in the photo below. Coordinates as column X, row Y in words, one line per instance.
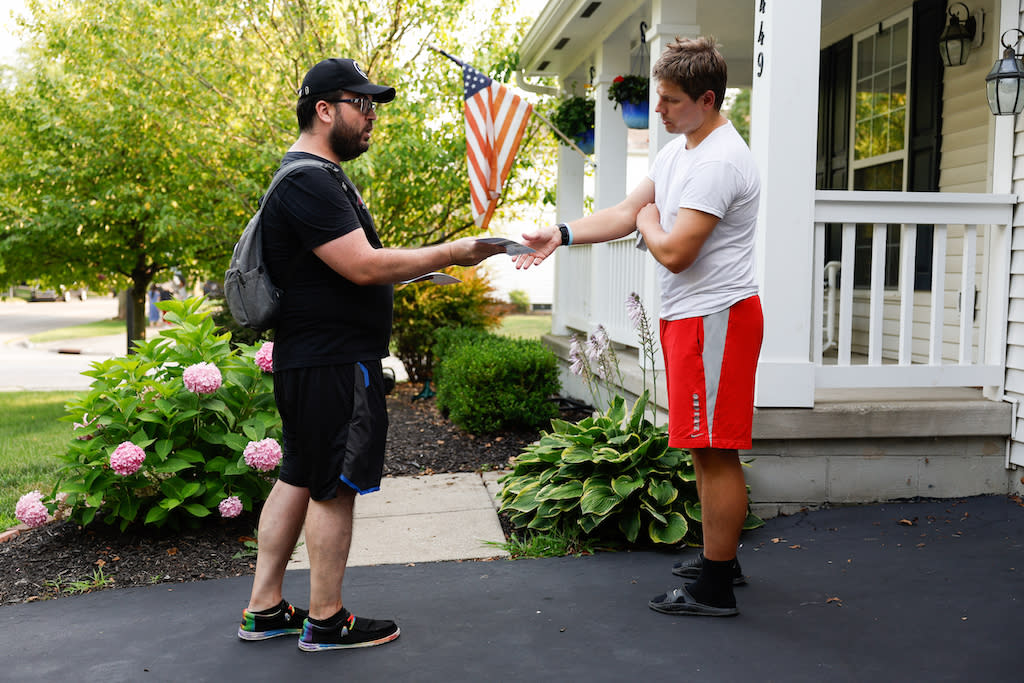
column 1005, row 82
column 955, row 41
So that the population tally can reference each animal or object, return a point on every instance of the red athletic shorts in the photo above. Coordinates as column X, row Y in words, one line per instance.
column 710, row 363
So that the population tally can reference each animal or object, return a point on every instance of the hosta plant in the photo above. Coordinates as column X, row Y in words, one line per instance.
column 611, row 476
column 183, row 428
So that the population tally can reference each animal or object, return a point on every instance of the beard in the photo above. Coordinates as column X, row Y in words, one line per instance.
column 346, row 141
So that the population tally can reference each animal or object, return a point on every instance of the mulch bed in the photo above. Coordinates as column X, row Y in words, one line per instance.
column 61, row 558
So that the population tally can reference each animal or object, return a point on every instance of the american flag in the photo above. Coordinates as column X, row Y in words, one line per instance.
column 495, row 121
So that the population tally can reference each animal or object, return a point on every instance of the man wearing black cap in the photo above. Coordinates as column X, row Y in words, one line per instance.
column 321, row 245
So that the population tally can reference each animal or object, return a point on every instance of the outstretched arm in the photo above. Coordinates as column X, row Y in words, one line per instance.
column 601, row 226
column 352, row 257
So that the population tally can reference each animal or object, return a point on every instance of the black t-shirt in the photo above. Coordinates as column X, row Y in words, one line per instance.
column 325, row 318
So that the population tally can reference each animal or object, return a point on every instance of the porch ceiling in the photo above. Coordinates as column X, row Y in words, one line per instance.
column 562, row 40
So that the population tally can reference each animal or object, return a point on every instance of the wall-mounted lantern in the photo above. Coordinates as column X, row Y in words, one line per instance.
column 1005, row 82
column 955, row 42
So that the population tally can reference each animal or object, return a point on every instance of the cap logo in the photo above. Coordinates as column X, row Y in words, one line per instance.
column 355, row 65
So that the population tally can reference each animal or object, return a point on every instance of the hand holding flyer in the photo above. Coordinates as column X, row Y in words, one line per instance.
column 512, row 248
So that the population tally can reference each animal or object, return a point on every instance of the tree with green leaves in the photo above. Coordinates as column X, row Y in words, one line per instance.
column 147, row 131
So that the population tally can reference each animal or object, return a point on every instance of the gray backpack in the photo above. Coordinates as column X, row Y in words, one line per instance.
column 252, row 298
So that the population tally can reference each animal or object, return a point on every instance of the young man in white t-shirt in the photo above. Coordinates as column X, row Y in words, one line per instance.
column 696, row 212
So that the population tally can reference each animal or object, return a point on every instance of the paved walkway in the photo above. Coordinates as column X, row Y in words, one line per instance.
column 909, row 592
column 895, row 592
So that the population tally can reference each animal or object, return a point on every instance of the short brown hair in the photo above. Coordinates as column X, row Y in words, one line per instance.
column 695, row 65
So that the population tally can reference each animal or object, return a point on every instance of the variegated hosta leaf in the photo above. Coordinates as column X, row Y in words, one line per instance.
column 670, row 533
column 598, row 498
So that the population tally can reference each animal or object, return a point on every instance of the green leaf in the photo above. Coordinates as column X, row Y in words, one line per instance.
column 572, row 489
column 617, row 412
column 235, row 441
column 196, row 510
column 170, row 503
column 526, row 501
column 625, row 485
column 163, row 448
column 190, row 489
column 577, row 453
column 662, row 492
column 598, row 498
column 636, row 418
column 156, row 514
column 172, row 465
column 670, row 533
column 629, row 525
column 752, row 522
column 692, row 510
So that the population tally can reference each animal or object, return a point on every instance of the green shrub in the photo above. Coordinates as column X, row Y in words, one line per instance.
column 422, row 309
column 520, row 300
column 487, row 383
column 193, row 441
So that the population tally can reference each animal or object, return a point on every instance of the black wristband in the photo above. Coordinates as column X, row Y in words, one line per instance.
column 566, row 234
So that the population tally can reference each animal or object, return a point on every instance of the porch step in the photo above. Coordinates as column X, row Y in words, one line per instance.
column 860, row 446
column 887, row 413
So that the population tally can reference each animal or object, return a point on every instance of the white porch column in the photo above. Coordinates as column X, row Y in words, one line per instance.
column 782, row 132
column 669, row 18
column 610, row 133
column 569, row 193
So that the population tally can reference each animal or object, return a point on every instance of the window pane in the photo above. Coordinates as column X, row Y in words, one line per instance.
column 899, row 42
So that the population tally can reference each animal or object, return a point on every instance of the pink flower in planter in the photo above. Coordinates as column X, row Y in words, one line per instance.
column 202, row 378
column 230, row 507
column 262, row 455
column 265, row 357
column 30, row 510
column 127, row 458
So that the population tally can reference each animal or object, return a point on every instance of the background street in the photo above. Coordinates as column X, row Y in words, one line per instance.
column 24, row 366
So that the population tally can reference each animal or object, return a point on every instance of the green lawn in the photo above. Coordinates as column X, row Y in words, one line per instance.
column 100, row 328
column 30, row 438
column 525, row 326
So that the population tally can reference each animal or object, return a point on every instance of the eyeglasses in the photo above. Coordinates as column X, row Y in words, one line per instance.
column 366, row 104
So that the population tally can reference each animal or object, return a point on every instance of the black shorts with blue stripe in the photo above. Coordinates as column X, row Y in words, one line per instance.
column 335, row 424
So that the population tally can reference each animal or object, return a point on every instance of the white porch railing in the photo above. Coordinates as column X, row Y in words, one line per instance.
column 895, row 337
column 953, row 335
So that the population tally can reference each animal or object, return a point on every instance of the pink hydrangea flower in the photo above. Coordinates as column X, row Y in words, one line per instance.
column 127, row 458
column 30, row 510
column 202, row 378
column 230, row 507
column 262, row 455
column 265, row 357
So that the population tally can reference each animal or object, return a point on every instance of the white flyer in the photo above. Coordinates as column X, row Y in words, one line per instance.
column 435, row 277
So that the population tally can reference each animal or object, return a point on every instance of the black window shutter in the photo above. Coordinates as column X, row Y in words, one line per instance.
column 835, row 75
column 925, row 121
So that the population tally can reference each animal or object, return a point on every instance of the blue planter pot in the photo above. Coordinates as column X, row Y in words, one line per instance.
column 585, row 141
column 635, row 115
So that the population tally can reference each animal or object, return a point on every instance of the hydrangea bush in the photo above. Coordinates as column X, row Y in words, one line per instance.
column 183, row 428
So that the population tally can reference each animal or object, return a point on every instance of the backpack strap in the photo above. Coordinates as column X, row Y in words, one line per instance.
column 280, row 175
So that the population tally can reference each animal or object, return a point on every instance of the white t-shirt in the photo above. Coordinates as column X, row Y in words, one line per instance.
column 718, row 177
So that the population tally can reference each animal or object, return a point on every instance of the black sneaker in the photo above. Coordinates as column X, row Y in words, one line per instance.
column 690, row 569
column 284, row 621
column 352, row 631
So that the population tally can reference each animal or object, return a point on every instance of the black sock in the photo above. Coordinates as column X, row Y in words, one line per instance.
column 271, row 611
column 714, row 585
column 331, row 622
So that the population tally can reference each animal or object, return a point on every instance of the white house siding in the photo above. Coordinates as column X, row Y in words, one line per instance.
column 1014, row 387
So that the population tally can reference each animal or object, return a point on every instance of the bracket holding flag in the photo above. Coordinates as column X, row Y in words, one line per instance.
column 495, row 121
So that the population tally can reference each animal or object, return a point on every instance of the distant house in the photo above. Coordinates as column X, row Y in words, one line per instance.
column 891, row 238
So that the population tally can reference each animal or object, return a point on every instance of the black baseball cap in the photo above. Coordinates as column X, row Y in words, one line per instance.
column 342, row 74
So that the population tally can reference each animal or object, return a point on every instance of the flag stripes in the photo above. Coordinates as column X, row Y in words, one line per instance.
column 496, row 119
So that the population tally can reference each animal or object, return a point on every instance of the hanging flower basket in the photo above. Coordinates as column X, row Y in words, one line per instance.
column 632, row 93
column 574, row 116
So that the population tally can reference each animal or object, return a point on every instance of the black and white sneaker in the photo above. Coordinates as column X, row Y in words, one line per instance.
column 351, row 631
column 690, row 569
